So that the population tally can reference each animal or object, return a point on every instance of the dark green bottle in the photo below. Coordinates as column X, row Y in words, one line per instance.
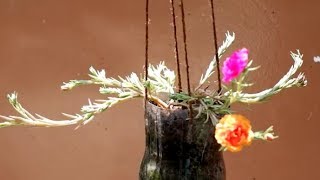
column 177, row 149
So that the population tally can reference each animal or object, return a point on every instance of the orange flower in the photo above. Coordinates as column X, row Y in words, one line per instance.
column 233, row 132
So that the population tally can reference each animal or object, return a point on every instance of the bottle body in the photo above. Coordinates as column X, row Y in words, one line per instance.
column 179, row 148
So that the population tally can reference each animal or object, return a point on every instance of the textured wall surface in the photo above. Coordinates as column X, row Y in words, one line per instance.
column 45, row 42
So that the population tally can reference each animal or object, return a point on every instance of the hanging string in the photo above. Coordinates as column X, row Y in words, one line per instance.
column 215, row 45
column 185, row 45
column 176, row 51
column 146, row 64
column 187, row 65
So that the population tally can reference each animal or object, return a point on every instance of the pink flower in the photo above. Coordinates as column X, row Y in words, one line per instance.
column 234, row 65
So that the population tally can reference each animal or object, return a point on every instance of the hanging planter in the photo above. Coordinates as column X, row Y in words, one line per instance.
column 178, row 143
column 186, row 132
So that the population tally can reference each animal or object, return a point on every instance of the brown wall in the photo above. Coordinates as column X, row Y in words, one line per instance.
column 45, row 42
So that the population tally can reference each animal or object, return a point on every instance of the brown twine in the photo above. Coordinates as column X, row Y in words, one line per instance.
column 185, row 45
column 176, row 51
column 146, row 49
column 176, row 45
column 186, row 60
column 215, row 45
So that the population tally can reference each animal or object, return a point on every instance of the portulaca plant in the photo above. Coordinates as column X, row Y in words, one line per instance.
column 232, row 131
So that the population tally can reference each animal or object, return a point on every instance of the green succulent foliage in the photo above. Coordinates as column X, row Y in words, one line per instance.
column 161, row 90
